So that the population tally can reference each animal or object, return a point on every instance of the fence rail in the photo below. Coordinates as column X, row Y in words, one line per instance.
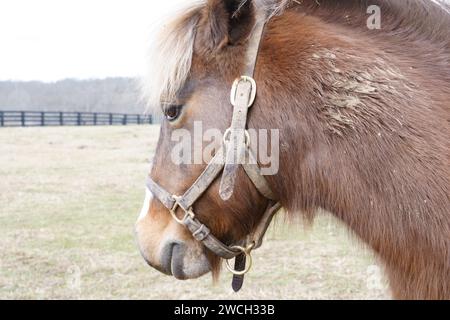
column 43, row 119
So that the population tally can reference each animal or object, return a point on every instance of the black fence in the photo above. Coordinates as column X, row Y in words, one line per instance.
column 43, row 119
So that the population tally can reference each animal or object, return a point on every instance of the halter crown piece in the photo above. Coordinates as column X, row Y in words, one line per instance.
column 236, row 145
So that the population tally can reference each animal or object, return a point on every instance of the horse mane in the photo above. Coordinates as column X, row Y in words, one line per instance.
column 170, row 56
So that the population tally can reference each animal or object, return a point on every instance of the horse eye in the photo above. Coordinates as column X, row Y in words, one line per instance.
column 172, row 112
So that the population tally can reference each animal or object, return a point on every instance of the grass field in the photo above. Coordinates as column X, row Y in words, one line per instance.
column 69, row 198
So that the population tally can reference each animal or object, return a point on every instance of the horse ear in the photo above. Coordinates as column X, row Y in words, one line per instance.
column 226, row 22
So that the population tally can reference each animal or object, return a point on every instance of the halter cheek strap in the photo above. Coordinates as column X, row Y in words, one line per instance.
column 243, row 96
column 228, row 159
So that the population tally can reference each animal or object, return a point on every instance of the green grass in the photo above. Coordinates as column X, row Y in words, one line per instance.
column 69, row 198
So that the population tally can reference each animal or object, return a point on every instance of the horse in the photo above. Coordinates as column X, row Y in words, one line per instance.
column 363, row 116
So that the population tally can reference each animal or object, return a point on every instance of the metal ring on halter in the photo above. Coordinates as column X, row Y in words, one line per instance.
column 235, row 86
column 173, row 211
column 249, row 262
column 227, row 136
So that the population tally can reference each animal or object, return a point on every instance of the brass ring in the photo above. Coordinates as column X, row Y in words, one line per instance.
column 249, row 262
column 227, row 135
column 247, row 139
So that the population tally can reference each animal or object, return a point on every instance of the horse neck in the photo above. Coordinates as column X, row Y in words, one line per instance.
column 391, row 202
column 375, row 162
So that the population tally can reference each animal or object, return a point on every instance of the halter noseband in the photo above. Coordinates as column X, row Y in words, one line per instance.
column 236, row 146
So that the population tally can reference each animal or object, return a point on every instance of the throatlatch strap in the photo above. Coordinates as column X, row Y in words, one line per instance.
column 258, row 235
column 253, row 171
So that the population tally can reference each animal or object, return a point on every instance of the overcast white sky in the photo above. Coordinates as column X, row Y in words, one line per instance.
column 55, row 39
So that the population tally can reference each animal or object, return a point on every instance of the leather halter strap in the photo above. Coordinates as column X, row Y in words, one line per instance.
column 228, row 160
column 199, row 231
column 243, row 96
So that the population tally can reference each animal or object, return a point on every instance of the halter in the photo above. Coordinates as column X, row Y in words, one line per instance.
column 236, row 146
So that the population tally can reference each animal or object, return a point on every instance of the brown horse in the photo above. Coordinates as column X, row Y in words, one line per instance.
column 363, row 116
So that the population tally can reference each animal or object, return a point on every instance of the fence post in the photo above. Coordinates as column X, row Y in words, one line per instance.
column 150, row 119
column 95, row 119
column 139, row 119
column 22, row 118
column 61, row 119
column 125, row 119
column 110, row 119
column 2, row 119
column 78, row 118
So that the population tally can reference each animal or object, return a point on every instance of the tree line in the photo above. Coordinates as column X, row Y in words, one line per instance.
column 112, row 95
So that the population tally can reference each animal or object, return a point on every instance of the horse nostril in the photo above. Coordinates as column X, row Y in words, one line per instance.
column 177, row 265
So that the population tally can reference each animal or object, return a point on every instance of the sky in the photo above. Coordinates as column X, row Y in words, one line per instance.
column 49, row 40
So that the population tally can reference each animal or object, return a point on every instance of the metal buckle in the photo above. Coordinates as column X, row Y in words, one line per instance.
column 235, row 87
column 173, row 211
column 202, row 233
column 248, row 254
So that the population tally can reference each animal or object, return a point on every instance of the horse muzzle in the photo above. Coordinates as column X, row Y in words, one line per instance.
column 183, row 262
column 178, row 258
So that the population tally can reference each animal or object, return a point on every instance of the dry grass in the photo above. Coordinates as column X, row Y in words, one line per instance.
column 69, row 198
